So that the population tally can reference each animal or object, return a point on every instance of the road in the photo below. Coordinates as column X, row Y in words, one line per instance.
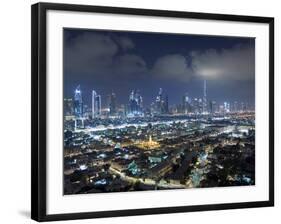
column 147, row 181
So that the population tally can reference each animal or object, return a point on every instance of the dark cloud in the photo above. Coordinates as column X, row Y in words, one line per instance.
column 92, row 53
column 125, row 43
column 129, row 64
column 89, row 52
column 173, row 66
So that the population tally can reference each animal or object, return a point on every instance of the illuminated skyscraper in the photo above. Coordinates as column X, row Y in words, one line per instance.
column 226, row 107
column 205, row 109
column 212, row 106
column 78, row 102
column 135, row 103
column 96, row 104
column 112, row 104
column 197, row 105
column 94, row 95
column 186, row 104
column 161, row 103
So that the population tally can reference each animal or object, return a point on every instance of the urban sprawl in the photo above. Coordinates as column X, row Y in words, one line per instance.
column 131, row 147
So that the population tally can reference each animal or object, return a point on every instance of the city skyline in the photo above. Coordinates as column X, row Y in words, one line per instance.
column 160, row 105
column 145, row 61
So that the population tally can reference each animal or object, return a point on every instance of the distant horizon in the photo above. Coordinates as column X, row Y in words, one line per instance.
column 148, row 104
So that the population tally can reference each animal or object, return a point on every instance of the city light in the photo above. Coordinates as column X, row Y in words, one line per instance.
column 123, row 148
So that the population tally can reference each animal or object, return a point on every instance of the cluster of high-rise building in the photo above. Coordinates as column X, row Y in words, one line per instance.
column 76, row 108
column 161, row 104
column 135, row 106
column 199, row 106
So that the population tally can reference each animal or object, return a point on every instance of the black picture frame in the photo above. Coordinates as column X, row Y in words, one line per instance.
column 38, row 108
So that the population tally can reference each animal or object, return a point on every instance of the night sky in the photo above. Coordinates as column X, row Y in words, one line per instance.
column 107, row 61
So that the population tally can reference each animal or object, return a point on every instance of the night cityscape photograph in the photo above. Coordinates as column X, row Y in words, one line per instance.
column 157, row 111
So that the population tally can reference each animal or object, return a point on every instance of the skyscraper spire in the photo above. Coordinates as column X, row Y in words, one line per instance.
column 205, row 97
column 78, row 103
column 96, row 104
column 94, row 95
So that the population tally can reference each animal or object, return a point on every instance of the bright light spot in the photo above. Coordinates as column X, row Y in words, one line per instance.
column 83, row 167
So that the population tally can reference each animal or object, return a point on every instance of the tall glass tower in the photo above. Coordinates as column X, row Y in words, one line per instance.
column 135, row 103
column 112, row 104
column 96, row 104
column 94, row 95
column 205, row 110
column 78, row 102
column 162, row 105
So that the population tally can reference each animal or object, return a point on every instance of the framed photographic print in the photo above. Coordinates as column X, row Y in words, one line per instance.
column 138, row 111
